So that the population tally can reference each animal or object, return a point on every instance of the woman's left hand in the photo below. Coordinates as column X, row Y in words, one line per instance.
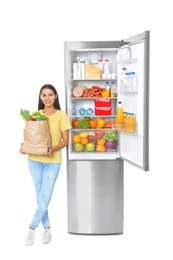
column 49, row 151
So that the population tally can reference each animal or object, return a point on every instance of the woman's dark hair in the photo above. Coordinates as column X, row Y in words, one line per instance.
column 56, row 103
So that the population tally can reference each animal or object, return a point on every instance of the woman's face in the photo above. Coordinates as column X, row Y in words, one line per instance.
column 48, row 97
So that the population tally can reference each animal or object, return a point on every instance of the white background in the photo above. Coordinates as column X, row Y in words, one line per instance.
column 32, row 36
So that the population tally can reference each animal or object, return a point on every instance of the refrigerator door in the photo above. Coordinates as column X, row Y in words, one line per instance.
column 134, row 147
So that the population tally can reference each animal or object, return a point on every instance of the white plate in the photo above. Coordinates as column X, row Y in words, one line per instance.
column 94, row 57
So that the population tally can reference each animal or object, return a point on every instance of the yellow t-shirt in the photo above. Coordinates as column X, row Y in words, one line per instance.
column 57, row 122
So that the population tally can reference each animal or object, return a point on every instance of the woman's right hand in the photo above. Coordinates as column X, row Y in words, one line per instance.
column 20, row 150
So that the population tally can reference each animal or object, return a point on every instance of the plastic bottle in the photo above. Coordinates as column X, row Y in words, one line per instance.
column 125, row 85
column 127, row 52
column 83, row 74
column 124, row 121
column 75, row 68
column 132, row 123
column 78, row 68
column 108, row 88
column 119, row 117
column 100, row 65
column 113, row 89
column 106, row 67
column 127, row 122
column 86, row 60
column 122, row 79
column 129, row 81
column 120, row 55
column 134, row 81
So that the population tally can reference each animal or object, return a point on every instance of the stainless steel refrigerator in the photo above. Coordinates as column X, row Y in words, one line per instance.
column 95, row 179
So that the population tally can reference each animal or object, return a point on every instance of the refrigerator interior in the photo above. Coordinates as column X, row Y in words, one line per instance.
column 75, row 104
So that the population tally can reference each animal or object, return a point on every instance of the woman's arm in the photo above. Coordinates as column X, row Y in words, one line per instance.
column 64, row 142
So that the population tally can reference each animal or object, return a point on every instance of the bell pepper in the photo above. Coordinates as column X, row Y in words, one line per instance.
column 105, row 93
column 93, row 123
column 101, row 142
column 101, row 122
column 100, row 148
column 75, row 122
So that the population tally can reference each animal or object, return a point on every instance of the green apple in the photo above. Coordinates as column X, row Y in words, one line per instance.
column 78, row 147
column 90, row 147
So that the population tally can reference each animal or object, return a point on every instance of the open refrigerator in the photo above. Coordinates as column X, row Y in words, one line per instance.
column 95, row 177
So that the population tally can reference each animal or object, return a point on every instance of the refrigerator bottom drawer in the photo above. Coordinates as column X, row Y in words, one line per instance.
column 95, row 197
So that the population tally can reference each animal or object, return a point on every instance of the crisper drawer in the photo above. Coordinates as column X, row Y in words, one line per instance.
column 97, row 141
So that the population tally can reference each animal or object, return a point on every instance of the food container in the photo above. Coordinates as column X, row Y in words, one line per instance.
column 102, row 102
column 84, row 141
column 103, row 111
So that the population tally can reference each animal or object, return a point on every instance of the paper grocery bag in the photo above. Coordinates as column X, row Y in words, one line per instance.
column 36, row 137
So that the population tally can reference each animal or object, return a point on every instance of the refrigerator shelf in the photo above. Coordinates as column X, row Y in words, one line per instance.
column 93, row 116
column 92, row 129
column 125, row 61
column 74, row 80
column 92, row 98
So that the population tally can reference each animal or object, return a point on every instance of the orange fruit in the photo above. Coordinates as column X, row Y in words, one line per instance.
column 76, row 138
column 84, row 140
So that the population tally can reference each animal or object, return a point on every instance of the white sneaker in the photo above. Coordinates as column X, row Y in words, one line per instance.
column 29, row 240
column 46, row 237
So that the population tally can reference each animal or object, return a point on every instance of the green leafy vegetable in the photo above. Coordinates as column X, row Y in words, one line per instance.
column 111, row 135
column 84, row 123
column 37, row 115
column 25, row 114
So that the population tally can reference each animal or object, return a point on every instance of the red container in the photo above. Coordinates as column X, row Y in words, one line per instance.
column 103, row 111
column 102, row 102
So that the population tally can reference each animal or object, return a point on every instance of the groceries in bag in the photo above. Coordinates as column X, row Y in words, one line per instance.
column 36, row 136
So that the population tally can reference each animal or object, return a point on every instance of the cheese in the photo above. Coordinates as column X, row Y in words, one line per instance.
column 93, row 75
column 92, row 68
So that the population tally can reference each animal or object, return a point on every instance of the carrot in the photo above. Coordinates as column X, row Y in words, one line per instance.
column 108, row 124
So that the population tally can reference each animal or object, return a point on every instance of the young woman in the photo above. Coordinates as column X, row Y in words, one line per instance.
column 44, row 169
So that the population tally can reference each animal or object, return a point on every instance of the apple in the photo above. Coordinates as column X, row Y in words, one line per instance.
column 91, row 138
column 31, row 119
column 90, row 147
column 78, row 147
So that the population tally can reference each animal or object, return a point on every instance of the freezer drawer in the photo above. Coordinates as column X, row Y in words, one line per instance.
column 95, row 197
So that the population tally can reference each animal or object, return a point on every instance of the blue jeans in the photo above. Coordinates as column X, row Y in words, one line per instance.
column 44, row 176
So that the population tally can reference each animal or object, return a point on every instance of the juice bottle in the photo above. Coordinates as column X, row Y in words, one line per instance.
column 127, row 121
column 124, row 121
column 132, row 123
column 119, row 117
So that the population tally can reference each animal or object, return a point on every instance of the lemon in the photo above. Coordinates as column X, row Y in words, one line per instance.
column 83, row 134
